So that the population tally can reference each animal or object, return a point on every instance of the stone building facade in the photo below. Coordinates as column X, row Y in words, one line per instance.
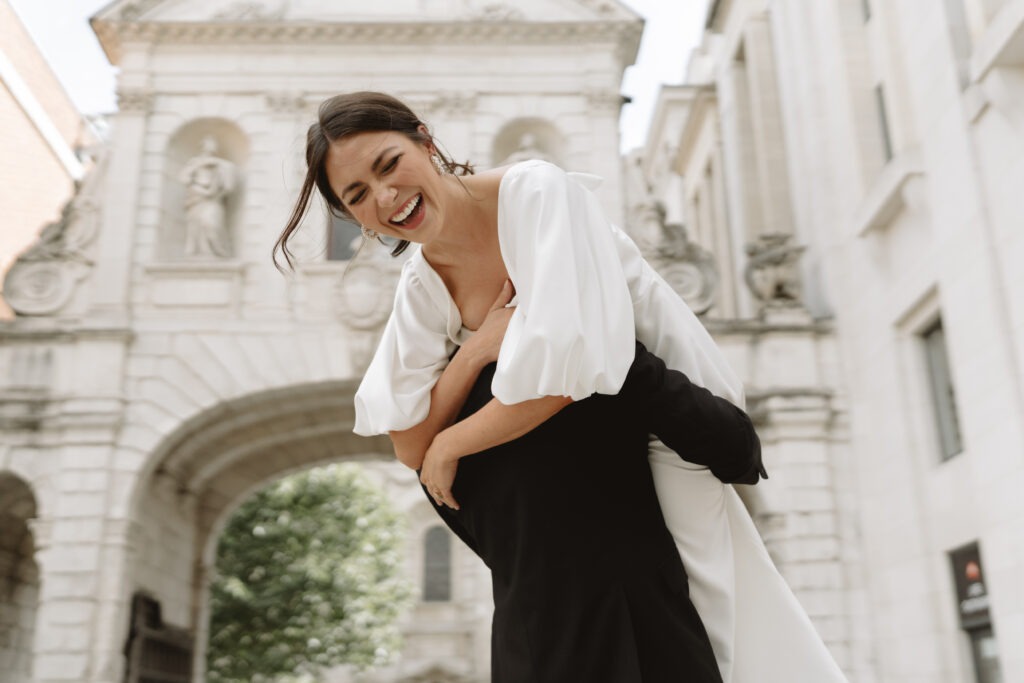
column 160, row 369
column 872, row 152
column 833, row 190
column 42, row 136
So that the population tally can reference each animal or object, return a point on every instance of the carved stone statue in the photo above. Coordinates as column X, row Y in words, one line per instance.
column 44, row 277
column 209, row 180
column 688, row 268
column 772, row 270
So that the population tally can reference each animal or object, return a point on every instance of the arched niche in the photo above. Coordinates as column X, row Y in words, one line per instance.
column 19, row 579
column 210, row 156
column 528, row 138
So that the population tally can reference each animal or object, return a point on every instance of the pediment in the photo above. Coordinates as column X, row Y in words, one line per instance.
column 336, row 22
column 360, row 11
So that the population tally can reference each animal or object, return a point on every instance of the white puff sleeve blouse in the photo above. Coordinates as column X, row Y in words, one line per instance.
column 583, row 291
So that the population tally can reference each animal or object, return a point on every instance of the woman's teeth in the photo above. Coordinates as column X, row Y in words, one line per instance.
column 410, row 206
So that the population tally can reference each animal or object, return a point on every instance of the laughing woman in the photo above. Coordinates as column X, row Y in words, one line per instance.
column 584, row 295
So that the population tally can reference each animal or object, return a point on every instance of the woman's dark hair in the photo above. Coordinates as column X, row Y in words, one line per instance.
column 339, row 117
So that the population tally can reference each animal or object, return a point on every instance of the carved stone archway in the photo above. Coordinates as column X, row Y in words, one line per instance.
column 208, row 466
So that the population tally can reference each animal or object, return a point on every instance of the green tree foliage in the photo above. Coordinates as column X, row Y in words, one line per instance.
column 308, row 576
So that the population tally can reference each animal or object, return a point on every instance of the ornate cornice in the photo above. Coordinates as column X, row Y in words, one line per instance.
column 287, row 102
column 136, row 100
column 604, row 100
column 447, row 103
column 114, row 34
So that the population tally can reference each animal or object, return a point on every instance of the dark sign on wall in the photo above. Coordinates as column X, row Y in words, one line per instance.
column 971, row 594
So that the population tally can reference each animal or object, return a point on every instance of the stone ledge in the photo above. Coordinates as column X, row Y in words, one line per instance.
column 195, row 284
column 113, row 35
column 60, row 329
column 758, row 327
column 887, row 197
column 1002, row 44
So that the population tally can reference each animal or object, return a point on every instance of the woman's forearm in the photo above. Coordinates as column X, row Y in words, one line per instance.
column 497, row 423
column 446, row 399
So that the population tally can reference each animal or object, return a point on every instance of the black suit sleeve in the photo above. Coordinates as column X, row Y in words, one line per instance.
column 702, row 428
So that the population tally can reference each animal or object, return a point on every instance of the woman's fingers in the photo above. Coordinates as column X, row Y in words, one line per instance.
column 443, row 497
column 438, row 497
column 437, row 477
column 448, row 499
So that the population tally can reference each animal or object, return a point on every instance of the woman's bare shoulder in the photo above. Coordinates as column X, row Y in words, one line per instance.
column 489, row 179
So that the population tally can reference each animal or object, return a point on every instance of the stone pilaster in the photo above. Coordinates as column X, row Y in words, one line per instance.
column 766, row 124
column 120, row 197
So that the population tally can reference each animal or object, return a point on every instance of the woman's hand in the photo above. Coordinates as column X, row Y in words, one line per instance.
column 440, row 462
column 438, row 472
column 486, row 341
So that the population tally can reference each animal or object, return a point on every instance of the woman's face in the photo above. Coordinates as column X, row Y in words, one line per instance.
column 388, row 183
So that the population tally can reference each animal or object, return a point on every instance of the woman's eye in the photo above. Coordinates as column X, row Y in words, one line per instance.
column 390, row 166
column 358, row 198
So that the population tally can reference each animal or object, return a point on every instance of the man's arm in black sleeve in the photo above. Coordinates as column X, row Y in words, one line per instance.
column 702, row 428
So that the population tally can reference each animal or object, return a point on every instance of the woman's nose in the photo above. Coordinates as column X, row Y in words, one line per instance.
column 386, row 195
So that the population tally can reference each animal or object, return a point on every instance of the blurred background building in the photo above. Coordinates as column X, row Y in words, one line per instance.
column 834, row 189
column 43, row 135
column 861, row 162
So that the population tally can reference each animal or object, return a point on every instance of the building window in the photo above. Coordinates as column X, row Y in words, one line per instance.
column 343, row 237
column 883, row 122
column 437, row 565
column 975, row 615
column 943, row 394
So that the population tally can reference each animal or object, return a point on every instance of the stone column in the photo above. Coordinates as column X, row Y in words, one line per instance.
column 772, row 172
column 68, row 575
column 267, row 293
column 739, row 169
column 797, row 510
column 603, row 106
column 120, row 543
column 724, row 248
column 120, row 202
column 740, row 152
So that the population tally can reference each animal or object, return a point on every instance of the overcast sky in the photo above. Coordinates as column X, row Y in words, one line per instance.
column 61, row 29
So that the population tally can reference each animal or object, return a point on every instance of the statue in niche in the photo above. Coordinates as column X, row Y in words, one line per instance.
column 529, row 148
column 772, row 272
column 209, row 180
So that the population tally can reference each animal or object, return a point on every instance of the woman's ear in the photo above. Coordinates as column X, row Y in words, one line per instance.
column 429, row 143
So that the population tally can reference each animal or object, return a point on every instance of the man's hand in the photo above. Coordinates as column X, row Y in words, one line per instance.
column 438, row 472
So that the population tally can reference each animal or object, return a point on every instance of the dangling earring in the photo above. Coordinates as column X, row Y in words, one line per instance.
column 367, row 233
column 439, row 164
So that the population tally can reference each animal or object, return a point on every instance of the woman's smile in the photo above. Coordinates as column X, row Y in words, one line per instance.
column 386, row 181
column 410, row 215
